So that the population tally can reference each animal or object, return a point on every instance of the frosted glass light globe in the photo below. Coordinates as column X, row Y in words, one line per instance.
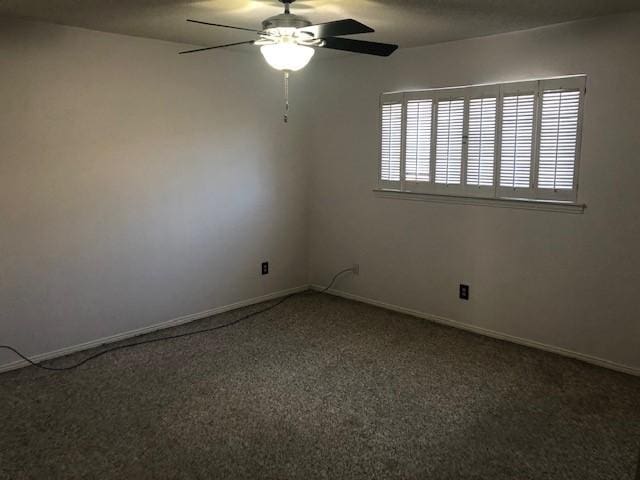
column 287, row 56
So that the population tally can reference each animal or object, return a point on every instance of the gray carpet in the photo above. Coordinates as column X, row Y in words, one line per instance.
column 321, row 387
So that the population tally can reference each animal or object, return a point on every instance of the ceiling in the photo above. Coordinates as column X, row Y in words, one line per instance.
column 405, row 22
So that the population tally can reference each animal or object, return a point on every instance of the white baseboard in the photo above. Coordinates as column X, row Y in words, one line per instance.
column 151, row 328
column 601, row 362
column 214, row 311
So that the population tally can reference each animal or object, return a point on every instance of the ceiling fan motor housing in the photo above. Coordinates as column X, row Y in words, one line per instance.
column 285, row 20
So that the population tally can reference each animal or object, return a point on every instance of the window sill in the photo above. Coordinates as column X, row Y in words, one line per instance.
column 526, row 204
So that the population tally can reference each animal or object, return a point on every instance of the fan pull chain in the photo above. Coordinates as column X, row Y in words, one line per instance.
column 286, row 97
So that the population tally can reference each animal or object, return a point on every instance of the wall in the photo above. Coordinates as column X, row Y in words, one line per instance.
column 137, row 186
column 564, row 280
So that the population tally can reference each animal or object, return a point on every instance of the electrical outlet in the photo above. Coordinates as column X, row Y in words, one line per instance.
column 265, row 268
column 464, row 292
column 356, row 269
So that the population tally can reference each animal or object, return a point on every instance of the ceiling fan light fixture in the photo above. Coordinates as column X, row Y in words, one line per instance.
column 288, row 41
column 288, row 56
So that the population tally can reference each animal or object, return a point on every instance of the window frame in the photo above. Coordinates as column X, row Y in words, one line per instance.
column 498, row 91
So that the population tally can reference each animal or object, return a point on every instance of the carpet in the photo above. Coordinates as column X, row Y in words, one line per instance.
column 321, row 387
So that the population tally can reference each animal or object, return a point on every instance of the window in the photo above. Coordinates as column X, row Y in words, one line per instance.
column 558, row 139
column 482, row 139
column 511, row 140
column 418, row 141
column 449, row 141
column 391, row 140
column 517, row 141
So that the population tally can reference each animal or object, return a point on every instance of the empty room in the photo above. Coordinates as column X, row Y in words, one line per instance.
column 320, row 239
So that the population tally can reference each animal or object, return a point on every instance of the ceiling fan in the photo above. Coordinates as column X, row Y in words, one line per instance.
column 287, row 41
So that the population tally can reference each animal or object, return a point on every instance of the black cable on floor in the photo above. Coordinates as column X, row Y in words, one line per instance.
column 160, row 339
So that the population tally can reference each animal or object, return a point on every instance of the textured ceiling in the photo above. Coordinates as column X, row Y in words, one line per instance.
column 405, row 22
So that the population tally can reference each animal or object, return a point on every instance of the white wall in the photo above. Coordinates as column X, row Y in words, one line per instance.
column 565, row 280
column 137, row 186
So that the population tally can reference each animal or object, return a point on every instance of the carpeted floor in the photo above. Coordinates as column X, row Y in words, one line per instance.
column 321, row 387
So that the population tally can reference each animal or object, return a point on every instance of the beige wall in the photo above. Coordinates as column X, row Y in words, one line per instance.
column 137, row 186
column 565, row 280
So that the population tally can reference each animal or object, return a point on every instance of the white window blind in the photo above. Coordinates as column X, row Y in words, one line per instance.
column 449, row 141
column 418, row 140
column 558, row 139
column 509, row 140
column 482, row 139
column 517, row 140
column 391, row 141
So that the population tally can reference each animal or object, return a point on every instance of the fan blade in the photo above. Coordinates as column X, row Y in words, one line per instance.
column 224, row 26
column 337, row 28
column 358, row 46
column 217, row 46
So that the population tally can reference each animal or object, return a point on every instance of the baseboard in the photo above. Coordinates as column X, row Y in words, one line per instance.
column 244, row 303
column 151, row 328
column 489, row 333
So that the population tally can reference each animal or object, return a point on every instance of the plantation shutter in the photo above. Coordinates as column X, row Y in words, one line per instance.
column 481, row 142
column 449, row 136
column 559, row 137
column 517, row 141
column 391, row 141
column 418, row 141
